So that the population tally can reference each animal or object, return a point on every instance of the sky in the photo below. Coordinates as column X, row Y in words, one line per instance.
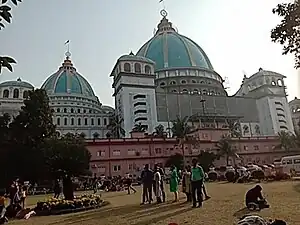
column 234, row 34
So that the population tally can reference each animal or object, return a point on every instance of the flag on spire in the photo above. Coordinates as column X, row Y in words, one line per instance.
column 161, row 0
column 67, row 42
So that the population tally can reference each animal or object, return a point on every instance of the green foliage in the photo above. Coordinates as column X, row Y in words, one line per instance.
column 287, row 32
column 175, row 160
column 225, row 149
column 115, row 127
column 206, row 159
column 180, row 128
column 67, row 156
column 34, row 123
column 234, row 128
column 5, row 14
column 159, row 131
column 139, row 128
column 287, row 140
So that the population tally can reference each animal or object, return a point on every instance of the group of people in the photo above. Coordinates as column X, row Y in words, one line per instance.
column 192, row 184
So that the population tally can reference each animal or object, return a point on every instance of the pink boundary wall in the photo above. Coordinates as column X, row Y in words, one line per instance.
column 113, row 157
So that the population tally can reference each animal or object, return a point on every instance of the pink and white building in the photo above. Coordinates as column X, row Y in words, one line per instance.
column 113, row 157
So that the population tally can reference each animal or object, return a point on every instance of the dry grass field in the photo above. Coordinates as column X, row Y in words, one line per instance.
column 227, row 199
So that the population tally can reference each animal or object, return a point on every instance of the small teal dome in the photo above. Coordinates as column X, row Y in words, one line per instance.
column 169, row 49
column 17, row 83
column 68, row 81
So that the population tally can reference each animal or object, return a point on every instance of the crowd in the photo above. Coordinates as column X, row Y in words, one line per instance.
column 192, row 184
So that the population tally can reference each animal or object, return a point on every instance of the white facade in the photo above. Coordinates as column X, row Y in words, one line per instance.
column 12, row 95
column 135, row 92
column 268, row 89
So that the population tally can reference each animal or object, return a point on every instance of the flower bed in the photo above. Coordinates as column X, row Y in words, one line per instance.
column 60, row 206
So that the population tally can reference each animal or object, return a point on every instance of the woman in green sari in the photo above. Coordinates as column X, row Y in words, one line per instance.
column 174, row 182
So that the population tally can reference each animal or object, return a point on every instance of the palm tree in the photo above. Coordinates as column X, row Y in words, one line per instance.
column 225, row 149
column 82, row 135
column 115, row 127
column 139, row 128
column 181, row 131
column 159, row 131
column 96, row 135
column 234, row 128
column 287, row 141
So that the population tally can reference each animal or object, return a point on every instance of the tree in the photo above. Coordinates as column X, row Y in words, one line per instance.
column 6, row 61
column 115, row 126
column 96, row 135
column 206, row 159
column 287, row 141
column 159, row 131
column 175, row 160
column 4, row 129
column 34, row 123
column 287, row 32
column 139, row 128
column 67, row 157
column 225, row 149
column 82, row 135
column 234, row 128
column 182, row 132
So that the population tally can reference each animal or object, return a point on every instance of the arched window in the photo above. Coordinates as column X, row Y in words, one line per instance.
column 147, row 69
column 105, row 121
column 79, row 121
column 174, row 91
column 16, row 93
column 204, row 92
column 137, row 68
column 72, row 110
column 85, row 121
column 5, row 93
column 92, row 122
column 78, row 110
column 58, row 121
column 212, row 93
column 66, row 121
column 280, row 83
column 72, row 121
column 194, row 82
column 127, row 67
column 25, row 94
column 65, row 110
column 162, row 84
column 196, row 91
column 58, row 110
column 173, row 82
column 183, row 81
column 185, row 91
column 99, row 121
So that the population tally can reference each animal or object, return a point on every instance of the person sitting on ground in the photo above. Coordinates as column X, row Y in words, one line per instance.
column 254, row 197
column 3, row 218
column 257, row 220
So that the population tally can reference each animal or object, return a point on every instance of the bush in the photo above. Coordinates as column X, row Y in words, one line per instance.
column 60, row 204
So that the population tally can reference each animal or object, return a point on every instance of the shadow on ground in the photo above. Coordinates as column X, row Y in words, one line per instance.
column 142, row 215
column 297, row 187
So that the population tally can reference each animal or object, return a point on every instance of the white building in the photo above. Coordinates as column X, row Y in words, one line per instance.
column 186, row 84
column 12, row 95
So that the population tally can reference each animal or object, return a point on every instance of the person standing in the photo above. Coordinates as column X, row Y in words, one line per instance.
column 197, row 177
column 186, row 184
column 128, row 184
column 174, row 182
column 157, row 185
column 57, row 188
column 162, row 188
column 147, row 181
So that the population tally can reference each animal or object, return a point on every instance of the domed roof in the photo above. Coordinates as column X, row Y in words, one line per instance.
column 169, row 49
column 17, row 83
column 68, row 81
column 132, row 57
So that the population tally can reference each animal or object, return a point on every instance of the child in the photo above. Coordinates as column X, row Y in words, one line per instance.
column 23, row 196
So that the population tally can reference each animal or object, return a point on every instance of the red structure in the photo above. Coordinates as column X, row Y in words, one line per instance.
column 113, row 157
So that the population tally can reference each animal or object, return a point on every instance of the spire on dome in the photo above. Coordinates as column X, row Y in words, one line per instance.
column 164, row 25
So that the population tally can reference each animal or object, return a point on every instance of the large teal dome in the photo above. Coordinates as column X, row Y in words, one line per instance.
column 168, row 49
column 68, row 81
